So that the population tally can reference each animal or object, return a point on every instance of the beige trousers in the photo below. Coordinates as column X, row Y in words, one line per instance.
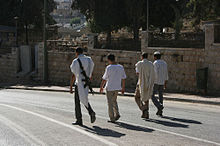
column 142, row 106
column 112, row 104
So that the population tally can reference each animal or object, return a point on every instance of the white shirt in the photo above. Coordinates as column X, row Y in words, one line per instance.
column 161, row 72
column 146, row 78
column 136, row 67
column 88, row 66
column 114, row 74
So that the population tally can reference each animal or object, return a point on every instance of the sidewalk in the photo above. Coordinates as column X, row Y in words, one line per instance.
column 167, row 96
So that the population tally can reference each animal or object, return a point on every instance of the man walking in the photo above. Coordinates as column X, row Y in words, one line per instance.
column 161, row 78
column 113, row 78
column 79, row 65
column 145, row 72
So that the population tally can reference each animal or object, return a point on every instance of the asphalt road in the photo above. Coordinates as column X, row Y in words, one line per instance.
column 44, row 118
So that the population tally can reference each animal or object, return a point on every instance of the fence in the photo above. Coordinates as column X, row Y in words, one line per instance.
column 120, row 44
column 186, row 40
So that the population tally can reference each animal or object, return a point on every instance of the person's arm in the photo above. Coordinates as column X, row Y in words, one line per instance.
column 72, row 80
column 123, row 81
column 137, row 71
column 166, row 77
column 91, row 68
column 165, row 84
column 104, row 80
column 123, row 87
column 155, row 72
column 102, row 86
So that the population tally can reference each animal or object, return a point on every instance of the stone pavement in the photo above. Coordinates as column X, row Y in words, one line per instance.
column 167, row 96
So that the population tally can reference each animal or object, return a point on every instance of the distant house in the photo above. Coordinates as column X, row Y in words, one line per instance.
column 7, row 36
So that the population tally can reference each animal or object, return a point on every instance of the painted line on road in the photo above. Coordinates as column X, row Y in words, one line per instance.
column 21, row 131
column 161, row 130
column 165, row 131
column 62, row 124
column 104, row 118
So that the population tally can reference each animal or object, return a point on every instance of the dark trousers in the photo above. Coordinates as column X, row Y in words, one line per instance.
column 78, row 112
column 158, row 89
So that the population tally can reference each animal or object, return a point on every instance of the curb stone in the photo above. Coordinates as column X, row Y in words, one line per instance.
column 126, row 94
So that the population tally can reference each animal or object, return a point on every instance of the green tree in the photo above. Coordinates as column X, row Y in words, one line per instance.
column 204, row 10
column 161, row 14
column 109, row 15
column 29, row 13
column 102, row 15
column 135, row 14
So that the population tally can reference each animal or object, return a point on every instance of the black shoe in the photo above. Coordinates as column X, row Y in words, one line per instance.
column 145, row 114
column 93, row 118
column 117, row 117
column 80, row 123
column 111, row 121
column 160, row 112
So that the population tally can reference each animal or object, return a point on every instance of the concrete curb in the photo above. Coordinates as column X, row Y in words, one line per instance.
column 126, row 94
column 192, row 101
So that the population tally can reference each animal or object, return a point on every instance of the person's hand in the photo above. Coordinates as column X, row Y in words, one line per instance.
column 165, row 86
column 101, row 90
column 123, row 91
column 71, row 90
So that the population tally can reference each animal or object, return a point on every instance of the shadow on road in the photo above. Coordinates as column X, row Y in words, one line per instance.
column 133, row 127
column 104, row 131
column 168, row 124
column 182, row 120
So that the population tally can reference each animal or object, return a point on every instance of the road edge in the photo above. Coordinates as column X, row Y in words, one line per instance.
column 126, row 94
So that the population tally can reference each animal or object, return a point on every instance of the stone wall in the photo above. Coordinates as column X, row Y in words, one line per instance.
column 212, row 58
column 8, row 66
column 126, row 58
column 59, row 63
column 212, row 61
column 59, row 67
column 182, row 66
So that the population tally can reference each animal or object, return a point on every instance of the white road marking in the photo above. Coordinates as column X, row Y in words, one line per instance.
column 31, row 139
column 156, row 129
column 63, row 124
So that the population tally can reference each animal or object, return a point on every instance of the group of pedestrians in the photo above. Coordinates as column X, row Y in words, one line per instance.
column 152, row 79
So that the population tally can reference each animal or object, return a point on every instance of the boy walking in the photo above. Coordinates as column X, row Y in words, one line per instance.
column 114, row 81
column 161, row 74
column 81, row 63
column 144, row 90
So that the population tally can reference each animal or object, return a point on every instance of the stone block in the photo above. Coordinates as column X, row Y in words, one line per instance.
column 186, row 58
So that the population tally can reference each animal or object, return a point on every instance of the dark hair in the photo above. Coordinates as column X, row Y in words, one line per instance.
column 158, row 56
column 79, row 50
column 111, row 57
column 145, row 55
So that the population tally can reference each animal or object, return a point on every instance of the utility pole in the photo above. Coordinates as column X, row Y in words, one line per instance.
column 147, row 23
column 16, row 26
column 45, row 60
